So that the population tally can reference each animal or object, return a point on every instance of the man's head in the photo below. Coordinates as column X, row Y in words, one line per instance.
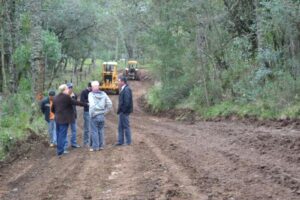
column 89, row 87
column 122, row 81
column 95, row 86
column 51, row 94
column 63, row 89
column 70, row 86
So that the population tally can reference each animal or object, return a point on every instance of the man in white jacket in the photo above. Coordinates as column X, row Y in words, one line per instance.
column 99, row 105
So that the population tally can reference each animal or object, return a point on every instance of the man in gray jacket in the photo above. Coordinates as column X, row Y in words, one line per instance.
column 99, row 105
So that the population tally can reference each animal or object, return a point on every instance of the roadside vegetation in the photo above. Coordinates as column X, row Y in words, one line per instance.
column 223, row 58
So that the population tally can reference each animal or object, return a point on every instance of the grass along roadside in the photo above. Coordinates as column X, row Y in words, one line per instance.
column 260, row 109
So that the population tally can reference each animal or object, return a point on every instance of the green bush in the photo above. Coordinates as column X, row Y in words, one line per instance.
column 154, row 99
column 223, row 109
column 291, row 112
column 6, row 140
column 6, row 122
column 16, row 112
column 21, row 57
column 51, row 46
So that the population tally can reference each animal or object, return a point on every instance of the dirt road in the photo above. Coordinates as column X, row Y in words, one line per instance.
column 168, row 160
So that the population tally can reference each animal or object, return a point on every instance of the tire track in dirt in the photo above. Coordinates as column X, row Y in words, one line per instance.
column 181, row 185
column 50, row 179
column 176, row 171
column 222, row 162
column 62, row 181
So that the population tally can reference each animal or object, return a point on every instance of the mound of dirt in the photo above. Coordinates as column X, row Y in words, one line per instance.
column 267, row 143
column 184, row 115
column 32, row 146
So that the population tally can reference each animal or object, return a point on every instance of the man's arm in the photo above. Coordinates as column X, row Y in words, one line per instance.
column 108, row 104
column 78, row 103
column 43, row 106
column 127, row 100
column 91, row 102
column 53, row 108
column 121, row 104
column 83, row 97
column 75, row 96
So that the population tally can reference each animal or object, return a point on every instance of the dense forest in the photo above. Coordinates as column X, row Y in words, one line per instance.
column 218, row 58
column 232, row 57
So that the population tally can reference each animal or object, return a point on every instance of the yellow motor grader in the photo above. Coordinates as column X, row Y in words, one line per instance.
column 109, row 81
column 132, row 72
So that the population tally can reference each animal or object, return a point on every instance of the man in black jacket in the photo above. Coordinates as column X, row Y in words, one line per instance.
column 46, row 105
column 124, row 109
column 84, row 97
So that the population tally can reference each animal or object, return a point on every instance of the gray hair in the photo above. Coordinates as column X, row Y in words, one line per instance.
column 95, row 83
column 62, row 88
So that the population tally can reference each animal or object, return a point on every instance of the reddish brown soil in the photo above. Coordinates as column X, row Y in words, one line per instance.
column 223, row 160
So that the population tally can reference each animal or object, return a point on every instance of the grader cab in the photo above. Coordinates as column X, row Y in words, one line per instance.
column 109, row 81
column 132, row 72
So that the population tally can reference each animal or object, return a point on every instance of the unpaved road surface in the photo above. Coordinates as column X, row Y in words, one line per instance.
column 168, row 160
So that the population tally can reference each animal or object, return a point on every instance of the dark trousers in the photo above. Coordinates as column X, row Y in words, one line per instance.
column 61, row 131
column 124, row 129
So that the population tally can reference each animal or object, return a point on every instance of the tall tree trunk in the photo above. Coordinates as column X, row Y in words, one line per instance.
column 54, row 72
column 200, row 45
column 82, row 64
column 10, row 8
column 1, row 76
column 75, row 67
column 94, row 63
column 3, row 71
column 117, row 49
column 259, row 37
column 37, row 61
column 129, row 50
column 65, row 65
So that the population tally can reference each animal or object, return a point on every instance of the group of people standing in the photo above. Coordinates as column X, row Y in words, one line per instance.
column 60, row 113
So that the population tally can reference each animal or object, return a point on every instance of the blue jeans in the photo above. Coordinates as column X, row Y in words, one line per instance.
column 97, row 131
column 61, row 130
column 73, row 135
column 52, row 131
column 124, row 128
column 86, row 126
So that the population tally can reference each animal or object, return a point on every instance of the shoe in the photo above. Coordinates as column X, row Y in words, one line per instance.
column 118, row 144
column 76, row 146
column 51, row 145
column 66, row 152
column 101, row 148
column 91, row 150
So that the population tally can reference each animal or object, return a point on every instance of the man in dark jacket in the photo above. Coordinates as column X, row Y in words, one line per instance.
column 64, row 115
column 124, row 109
column 84, row 97
column 46, row 105
column 73, row 125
